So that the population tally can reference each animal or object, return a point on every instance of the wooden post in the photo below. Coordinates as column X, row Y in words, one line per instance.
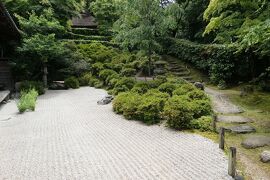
column 221, row 138
column 214, row 125
column 232, row 162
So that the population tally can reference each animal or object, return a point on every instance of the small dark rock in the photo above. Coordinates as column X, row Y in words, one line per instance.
column 199, row 85
column 106, row 100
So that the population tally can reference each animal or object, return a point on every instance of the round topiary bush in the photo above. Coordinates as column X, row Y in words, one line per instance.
column 178, row 112
column 129, row 72
column 183, row 89
column 72, row 82
column 197, row 95
column 85, row 79
column 106, row 73
column 140, row 87
column 203, row 123
column 201, row 108
column 167, row 88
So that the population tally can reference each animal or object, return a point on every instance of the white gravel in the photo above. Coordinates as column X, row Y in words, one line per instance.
column 70, row 137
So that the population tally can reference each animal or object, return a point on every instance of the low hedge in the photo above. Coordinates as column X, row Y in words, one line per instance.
column 72, row 82
column 220, row 61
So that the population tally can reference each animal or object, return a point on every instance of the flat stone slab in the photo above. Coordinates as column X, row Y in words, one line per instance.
column 234, row 119
column 253, row 142
column 265, row 156
column 241, row 129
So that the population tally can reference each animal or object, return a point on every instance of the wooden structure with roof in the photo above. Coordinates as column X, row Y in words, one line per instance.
column 9, row 37
column 86, row 20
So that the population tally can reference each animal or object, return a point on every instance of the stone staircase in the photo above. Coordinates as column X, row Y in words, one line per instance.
column 179, row 70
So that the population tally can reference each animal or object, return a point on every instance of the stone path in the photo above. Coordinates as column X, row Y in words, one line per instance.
column 221, row 103
column 70, row 137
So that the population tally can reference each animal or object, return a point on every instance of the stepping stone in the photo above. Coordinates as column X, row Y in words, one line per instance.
column 265, row 156
column 241, row 129
column 234, row 119
column 253, row 142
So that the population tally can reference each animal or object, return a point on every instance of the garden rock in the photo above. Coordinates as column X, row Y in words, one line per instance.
column 57, row 86
column 255, row 142
column 265, row 156
column 199, row 85
column 106, row 100
column 234, row 119
column 241, row 129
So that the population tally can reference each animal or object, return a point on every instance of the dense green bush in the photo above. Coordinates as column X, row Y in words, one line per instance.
column 167, row 87
column 201, row 108
column 203, row 123
column 184, row 89
column 72, row 82
column 27, row 100
column 97, row 67
column 125, row 81
column 28, row 85
column 120, row 101
column 197, row 95
column 178, row 112
column 141, row 87
column 85, row 79
column 104, row 74
column 128, row 72
column 151, row 106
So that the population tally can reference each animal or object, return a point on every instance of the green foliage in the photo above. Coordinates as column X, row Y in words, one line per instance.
column 167, row 87
column 203, row 123
column 72, row 82
column 26, row 86
column 129, row 72
column 184, row 89
column 201, row 107
column 220, row 61
column 178, row 112
column 27, row 100
column 85, row 79
column 106, row 11
column 141, row 87
column 104, row 74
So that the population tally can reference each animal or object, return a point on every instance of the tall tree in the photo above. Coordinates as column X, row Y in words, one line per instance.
column 140, row 26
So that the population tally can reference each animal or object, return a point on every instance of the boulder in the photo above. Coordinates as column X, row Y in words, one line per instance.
column 199, row 85
column 106, row 100
column 241, row 129
column 57, row 86
column 255, row 142
column 265, row 156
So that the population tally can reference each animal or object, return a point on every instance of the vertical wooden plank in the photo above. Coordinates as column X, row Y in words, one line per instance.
column 214, row 123
column 232, row 162
column 221, row 138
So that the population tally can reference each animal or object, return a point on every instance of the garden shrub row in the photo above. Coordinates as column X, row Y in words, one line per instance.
column 165, row 98
column 220, row 61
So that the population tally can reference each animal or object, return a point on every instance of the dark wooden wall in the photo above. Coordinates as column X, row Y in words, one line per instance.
column 5, row 74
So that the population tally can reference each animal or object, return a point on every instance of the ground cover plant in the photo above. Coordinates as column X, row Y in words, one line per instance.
column 27, row 100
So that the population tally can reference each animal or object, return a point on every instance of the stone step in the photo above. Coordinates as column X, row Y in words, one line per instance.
column 181, row 73
column 256, row 141
column 234, row 119
column 177, row 69
column 241, row 129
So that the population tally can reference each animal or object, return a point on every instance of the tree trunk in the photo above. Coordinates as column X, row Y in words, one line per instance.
column 45, row 73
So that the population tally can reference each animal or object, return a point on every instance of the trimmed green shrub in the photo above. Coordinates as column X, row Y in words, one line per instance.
column 93, row 81
column 97, row 67
column 130, row 107
column 167, row 88
column 109, row 78
column 72, row 82
column 128, row 72
column 184, row 89
column 203, row 123
column 119, row 102
column 178, row 112
column 27, row 100
column 85, row 79
column 201, row 108
column 29, row 85
column 151, row 106
column 118, row 89
column 197, row 95
column 155, row 83
column 140, row 87
column 106, row 73
column 126, row 81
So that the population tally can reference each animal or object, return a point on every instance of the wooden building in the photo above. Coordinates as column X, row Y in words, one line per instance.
column 86, row 20
column 9, row 38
